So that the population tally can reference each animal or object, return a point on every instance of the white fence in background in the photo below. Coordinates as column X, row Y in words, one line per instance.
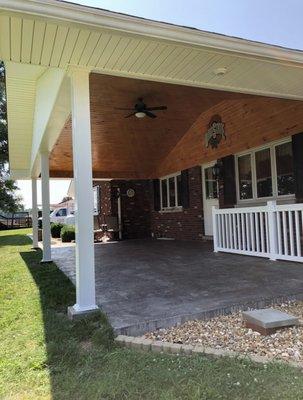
column 272, row 231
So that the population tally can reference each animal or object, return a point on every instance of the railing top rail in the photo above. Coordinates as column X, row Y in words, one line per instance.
column 240, row 210
column 290, row 207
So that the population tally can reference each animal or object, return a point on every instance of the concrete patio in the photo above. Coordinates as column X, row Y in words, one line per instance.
column 146, row 284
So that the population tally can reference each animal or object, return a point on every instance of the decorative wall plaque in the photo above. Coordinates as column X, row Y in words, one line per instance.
column 215, row 132
column 130, row 193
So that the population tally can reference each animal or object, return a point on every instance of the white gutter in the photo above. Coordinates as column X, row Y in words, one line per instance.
column 105, row 19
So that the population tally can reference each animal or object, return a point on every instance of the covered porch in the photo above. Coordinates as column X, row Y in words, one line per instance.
column 147, row 284
column 69, row 70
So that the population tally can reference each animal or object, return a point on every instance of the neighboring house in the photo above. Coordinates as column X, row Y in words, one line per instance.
column 220, row 125
column 71, row 193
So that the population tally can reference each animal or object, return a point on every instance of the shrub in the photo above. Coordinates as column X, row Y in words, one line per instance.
column 68, row 233
column 56, row 229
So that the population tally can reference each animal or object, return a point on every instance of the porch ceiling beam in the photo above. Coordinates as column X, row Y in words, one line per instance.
column 141, row 26
column 105, row 174
column 51, row 111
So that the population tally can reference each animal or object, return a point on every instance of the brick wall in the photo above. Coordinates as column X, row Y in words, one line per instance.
column 135, row 211
column 105, row 207
column 139, row 220
column 186, row 224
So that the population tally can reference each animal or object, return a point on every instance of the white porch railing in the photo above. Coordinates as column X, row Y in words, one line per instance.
column 272, row 231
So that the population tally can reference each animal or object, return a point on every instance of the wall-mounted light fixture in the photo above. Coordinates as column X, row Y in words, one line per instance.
column 218, row 169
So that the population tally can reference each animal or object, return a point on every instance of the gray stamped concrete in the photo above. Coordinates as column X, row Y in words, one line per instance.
column 147, row 284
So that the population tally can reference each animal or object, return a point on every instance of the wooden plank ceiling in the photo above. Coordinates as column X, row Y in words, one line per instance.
column 146, row 148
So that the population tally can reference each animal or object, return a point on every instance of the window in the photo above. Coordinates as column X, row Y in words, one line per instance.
column 170, row 189
column 266, row 172
column 245, row 177
column 61, row 212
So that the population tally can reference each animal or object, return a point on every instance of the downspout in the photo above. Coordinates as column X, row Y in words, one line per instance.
column 119, row 214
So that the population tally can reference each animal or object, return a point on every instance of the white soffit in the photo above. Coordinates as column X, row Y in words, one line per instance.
column 21, row 96
column 58, row 34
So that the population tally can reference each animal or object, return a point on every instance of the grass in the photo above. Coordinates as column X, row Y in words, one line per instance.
column 43, row 355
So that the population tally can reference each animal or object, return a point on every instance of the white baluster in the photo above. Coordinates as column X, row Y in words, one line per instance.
column 215, row 229
column 285, row 237
column 291, row 234
column 257, row 232
column 298, row 241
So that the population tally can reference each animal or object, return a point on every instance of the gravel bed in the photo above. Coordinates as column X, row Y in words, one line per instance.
column 228, row 332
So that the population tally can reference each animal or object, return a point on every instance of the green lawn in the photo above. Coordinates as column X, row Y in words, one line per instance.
column 45, row 356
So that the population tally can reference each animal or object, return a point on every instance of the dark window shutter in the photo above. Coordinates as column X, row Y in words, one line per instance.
column 227, row 195
column 156, row 185
column 297, row 151
column 185, row 189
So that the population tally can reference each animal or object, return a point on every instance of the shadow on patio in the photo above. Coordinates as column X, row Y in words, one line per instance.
column 146, row 284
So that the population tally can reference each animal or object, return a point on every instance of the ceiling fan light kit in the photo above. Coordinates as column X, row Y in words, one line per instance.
column 140, row 114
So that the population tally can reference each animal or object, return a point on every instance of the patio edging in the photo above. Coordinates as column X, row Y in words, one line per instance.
column 176, row 320
column 142, row 344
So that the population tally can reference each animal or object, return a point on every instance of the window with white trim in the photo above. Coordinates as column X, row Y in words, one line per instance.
column 266, row 172
column 170, row 192
column 96, row 199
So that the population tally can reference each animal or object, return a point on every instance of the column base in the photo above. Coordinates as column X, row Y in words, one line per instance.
column 73, row 312
column 46, row 261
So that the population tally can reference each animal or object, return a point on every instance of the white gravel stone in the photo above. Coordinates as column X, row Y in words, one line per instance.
column 229, row 333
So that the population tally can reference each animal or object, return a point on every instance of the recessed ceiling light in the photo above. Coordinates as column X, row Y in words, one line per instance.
column 220, row 71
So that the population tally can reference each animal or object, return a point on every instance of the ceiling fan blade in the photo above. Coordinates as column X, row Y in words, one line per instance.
column 149, row 114
column 124, row 109
column 129, row 115
column 156, row 108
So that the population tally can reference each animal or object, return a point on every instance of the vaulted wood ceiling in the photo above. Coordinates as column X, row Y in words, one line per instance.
column 145, row 148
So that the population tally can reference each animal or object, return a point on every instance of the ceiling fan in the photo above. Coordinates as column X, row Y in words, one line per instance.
column 140, row 110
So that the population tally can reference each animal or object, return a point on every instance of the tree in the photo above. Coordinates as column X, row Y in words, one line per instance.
column 9, row 200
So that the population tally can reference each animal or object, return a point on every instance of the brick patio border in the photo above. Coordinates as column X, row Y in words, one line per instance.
column 176, row 320
column 142, row 344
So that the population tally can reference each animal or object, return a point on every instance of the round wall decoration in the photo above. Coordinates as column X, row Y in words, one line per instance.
column 130, row 193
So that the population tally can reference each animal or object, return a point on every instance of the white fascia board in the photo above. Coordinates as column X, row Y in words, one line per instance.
column 47, row 90
column 140, row 26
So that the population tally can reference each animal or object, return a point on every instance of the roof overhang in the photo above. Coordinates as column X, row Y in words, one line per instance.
column 96, row 17
column 56, row 34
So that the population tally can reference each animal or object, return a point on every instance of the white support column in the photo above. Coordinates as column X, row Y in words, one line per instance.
column 84, row 198
column 34, row 213
column 46, row 234
column 272, row 227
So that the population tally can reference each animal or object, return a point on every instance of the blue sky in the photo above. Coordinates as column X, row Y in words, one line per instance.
column 276, row 22
column 272, row 21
